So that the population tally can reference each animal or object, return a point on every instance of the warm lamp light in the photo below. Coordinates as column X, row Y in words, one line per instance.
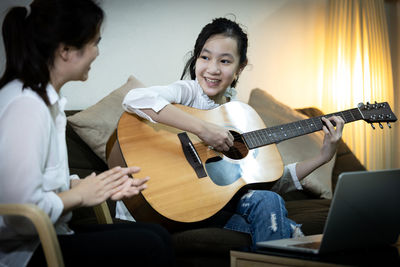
column 357, row 68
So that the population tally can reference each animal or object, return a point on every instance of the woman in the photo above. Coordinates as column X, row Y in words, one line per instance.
column 48, row 44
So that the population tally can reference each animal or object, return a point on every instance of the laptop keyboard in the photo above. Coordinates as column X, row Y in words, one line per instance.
column 312, row 245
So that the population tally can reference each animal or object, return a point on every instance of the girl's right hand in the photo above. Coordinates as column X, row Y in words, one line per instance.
column 216, row 136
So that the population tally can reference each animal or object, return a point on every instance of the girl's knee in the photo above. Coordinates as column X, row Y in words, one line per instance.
column 264, row 195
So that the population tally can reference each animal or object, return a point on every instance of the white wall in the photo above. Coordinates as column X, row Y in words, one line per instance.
column 150, row 39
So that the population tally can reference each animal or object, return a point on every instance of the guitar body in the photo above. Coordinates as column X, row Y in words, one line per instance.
column 175, row 192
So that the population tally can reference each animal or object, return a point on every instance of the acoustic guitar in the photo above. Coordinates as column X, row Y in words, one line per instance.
column 189, row 181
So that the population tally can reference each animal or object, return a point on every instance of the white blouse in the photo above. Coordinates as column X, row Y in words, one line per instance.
column 185, row 92
column 33, row 165
column 188, row 93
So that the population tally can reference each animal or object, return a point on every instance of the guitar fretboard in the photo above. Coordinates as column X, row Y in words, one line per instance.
column 283, row 132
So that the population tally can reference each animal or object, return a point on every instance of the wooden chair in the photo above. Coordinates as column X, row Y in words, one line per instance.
column 103, row 215
column 45, row 228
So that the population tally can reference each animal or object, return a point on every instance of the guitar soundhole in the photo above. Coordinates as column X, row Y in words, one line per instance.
column 239, row 149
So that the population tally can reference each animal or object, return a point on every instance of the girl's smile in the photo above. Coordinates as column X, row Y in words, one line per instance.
column 218, row 65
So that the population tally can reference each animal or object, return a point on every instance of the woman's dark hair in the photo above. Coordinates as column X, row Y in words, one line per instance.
column 222, row 26
column 31, row 37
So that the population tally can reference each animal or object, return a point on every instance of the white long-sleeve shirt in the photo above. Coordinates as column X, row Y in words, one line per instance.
column 185, row 92
column 33, row 166
column 188, row 93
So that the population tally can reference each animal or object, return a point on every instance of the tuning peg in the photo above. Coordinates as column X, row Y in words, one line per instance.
column 390, row 126
column 379, row 105
column 380, row 125
column 372, row 125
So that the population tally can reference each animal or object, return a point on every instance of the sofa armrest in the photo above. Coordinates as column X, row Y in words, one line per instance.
column 346, row 161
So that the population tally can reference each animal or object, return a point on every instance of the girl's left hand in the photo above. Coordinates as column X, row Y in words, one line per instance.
column 332, row 136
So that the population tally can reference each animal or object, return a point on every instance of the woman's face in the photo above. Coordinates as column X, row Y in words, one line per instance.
column 218, row 64
column 83, row 58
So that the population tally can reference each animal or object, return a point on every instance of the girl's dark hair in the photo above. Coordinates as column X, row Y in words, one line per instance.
column 223, row 26
column 31, row 38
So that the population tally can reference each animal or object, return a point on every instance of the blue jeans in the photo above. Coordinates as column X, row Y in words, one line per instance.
column 263, row 215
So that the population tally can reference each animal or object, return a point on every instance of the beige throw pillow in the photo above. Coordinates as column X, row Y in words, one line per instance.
column 296, row 149
column 96, row 123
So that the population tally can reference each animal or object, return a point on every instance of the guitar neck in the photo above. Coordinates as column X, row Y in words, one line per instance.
column 283, row 132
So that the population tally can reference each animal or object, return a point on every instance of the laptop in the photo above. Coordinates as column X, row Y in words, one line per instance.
column 364, row 213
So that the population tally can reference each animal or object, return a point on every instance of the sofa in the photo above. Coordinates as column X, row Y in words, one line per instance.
column 210, row 246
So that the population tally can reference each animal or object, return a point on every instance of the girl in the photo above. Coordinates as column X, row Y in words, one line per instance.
column 48, row 44
column 218, row 58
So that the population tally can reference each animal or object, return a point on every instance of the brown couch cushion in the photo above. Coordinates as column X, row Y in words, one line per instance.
column 96, row 123
column 311, row 213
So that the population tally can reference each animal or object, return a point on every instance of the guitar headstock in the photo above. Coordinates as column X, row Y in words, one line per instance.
column 377, row 113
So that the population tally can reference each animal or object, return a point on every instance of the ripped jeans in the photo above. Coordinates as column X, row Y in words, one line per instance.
column 263, row 215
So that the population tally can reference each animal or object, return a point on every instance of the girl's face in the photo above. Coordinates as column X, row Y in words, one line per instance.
column 218, row 64
column 83, row 58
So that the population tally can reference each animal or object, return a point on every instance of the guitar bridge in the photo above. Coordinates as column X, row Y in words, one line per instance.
column 191, row 155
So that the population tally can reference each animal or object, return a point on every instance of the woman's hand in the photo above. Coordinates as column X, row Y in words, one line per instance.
column 130, row 187
column 95, row 189
column 216, row 136
column 332, row 136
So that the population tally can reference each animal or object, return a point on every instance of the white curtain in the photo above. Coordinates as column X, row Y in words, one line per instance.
column 357, row 68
